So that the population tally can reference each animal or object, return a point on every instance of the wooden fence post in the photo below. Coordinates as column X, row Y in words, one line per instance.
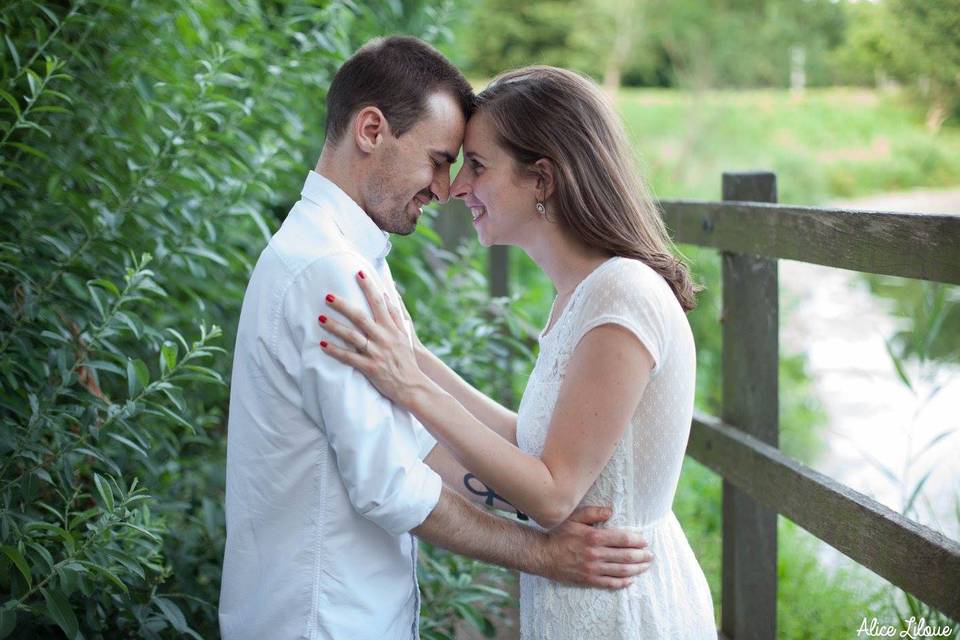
column 750, row 401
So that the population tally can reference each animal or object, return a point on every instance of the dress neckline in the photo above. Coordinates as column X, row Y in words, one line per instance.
column 549, row 329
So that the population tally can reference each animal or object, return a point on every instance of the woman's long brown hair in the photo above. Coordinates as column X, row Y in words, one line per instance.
column 547, row 112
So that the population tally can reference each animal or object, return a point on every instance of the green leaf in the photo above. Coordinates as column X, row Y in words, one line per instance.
column 56, row 242
column 27, row 124
column 34, row 81
column 168, row 356
column 916, row 492
column 103, row 283
column 172, row 613
column 106, row 573
column 8, row 619
column 13, row 52
column 137, row 527
column 898, row 365
column 11, row 183
column 175, row 417
column 128, row 321
column 50, row 109
column 9, row 99
column 103, row 365
column 103, row 488
column 58, row 608
column 60, row 96
column 53, row 19
column 130, row 443
column 28, row 149
column 17, row 558
column 128, row 562
column 179, row 338
column 175, row 396
column 138, row 376
column 207, row 253
column 470, row 614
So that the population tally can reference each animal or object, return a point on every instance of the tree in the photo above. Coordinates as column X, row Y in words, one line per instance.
column 143, row 147
column 914, row 42
column 932, row 26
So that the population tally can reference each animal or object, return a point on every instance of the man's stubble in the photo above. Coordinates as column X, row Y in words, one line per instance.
column 386, row 202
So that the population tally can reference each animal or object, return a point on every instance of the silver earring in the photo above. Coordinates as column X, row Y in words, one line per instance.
column 541, row 209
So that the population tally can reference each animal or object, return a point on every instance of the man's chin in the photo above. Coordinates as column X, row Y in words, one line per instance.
column 408, row 220
column 406, row 231
column 404, row 225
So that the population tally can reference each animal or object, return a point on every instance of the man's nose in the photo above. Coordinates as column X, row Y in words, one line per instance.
column 441, row 187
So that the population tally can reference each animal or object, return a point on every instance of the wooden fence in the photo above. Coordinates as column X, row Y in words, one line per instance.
column 759, row 482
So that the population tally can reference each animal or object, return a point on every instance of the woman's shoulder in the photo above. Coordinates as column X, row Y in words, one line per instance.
column 630, row 279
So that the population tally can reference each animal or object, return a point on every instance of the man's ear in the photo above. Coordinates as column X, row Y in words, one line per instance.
column 546, row 178
column 370, row 128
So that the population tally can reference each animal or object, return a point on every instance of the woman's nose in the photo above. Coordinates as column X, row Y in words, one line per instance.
column 460, row 187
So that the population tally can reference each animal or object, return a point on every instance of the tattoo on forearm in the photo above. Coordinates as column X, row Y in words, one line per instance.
column 488, row 494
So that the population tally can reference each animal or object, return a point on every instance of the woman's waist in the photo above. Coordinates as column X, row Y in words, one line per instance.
column 644, row 524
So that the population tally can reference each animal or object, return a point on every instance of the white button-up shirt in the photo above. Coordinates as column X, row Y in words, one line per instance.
column 325, row 476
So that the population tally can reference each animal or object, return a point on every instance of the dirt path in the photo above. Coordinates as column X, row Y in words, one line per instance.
column 916, row 201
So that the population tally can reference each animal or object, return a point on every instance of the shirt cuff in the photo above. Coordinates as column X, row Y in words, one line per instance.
column 422, row 485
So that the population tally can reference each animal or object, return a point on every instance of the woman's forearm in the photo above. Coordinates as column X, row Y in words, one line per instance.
column 466, row 483
column 524, row 480
column 488, row 411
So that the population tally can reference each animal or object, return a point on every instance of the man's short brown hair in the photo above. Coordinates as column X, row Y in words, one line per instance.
column 396, row 75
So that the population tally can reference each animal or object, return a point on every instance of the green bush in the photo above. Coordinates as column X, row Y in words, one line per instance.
column 149, row 149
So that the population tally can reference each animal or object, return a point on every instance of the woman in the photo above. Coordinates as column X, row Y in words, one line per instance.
column 606, row 414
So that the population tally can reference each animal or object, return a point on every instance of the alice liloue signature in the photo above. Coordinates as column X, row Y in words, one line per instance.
column 916, row 628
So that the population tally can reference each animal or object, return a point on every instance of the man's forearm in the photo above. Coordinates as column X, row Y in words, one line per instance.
column 573, row 553
column 458, row 526
column 486, row 410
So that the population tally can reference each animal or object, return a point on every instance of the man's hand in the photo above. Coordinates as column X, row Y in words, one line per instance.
column 580, row 554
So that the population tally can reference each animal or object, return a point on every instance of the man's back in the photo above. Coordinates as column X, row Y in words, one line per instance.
column 324, row 476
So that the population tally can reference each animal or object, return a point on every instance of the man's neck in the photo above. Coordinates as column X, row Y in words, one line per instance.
column 342, row 174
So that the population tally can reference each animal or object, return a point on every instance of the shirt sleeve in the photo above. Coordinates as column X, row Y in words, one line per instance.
column 631, row 295
column 375, row 443
column 425, row 441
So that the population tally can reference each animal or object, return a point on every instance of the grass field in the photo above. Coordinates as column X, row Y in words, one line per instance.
column 824, row 144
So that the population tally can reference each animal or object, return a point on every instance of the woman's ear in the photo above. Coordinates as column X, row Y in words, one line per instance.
column 546, row 178
column 370, row 127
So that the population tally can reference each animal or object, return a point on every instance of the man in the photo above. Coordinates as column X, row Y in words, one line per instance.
column 326, row 479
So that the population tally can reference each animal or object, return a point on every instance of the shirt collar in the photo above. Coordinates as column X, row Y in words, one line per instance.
column 353, row 222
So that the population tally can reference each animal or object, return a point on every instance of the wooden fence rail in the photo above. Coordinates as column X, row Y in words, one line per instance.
column 759, row 480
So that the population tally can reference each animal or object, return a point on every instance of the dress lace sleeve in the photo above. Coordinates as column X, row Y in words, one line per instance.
column 631, row 295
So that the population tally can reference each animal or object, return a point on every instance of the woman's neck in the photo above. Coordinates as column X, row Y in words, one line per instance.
column 564, row 259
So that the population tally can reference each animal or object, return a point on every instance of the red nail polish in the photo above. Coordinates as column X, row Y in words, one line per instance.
column 322, row 319
column 362, row 277
column 330, row 297
column 323, row 343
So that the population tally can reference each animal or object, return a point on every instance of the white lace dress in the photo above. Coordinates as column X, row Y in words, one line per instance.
column 671, row 601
